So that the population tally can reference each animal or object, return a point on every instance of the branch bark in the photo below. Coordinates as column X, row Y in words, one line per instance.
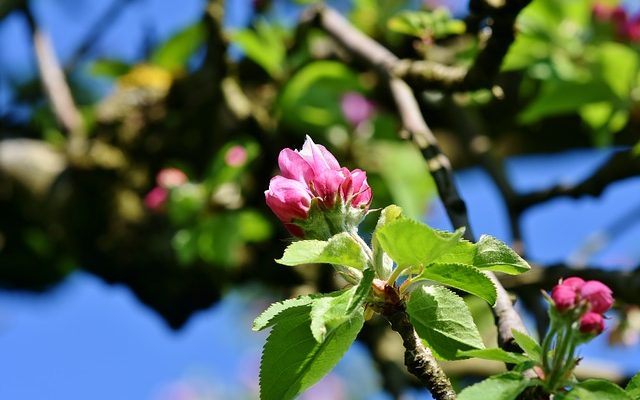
column 419, row 360
column 53, row 79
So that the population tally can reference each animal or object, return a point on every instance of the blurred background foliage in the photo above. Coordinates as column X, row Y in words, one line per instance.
column 218, row 99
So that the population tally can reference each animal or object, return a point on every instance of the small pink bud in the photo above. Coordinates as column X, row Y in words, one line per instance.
column 356, row 190
column 156, row 198
column 592, row 323
column 170, row 177
column 564, row 297
column 288, row 199
column 598, row 295
column 356, row 108
column 236, row 156
column 573, row 282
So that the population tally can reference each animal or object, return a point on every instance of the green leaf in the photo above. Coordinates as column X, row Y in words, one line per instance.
column 381, row 261
column 619, row 64
column 341, row 249
column 411, row 243
column 174, row 54
column 265, row 46
column 463, row 277
column 528, row 345
column 506, row 386
column 558, row 97
column 443, row 320
column 292, row 360
column 494, row 354
column 494, row 255
column 310, row 100
column 436, row 24
column 328, row 312
column 110, row 68
column 633, row 387
column 404, row 172
column 597, row 389
column 268, row 316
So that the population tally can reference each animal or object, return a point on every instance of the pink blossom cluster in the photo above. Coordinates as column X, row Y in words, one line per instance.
column 573, row 292
column 627, row 27
column 166, row 179
column 313, row 173
column 356, row 108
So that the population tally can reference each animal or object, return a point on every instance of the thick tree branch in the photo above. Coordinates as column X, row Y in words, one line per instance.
column 419, row 359
column 382, row 60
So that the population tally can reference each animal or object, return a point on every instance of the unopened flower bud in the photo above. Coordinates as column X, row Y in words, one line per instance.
column 598, row 295
column 313, row 181
column 592, row 323
column 289, row 200
column 564, row 297
column 573, row 282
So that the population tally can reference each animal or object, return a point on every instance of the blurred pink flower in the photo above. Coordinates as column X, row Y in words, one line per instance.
column 356, row 108
column 236, row 156
column 156, row 198
column 170, row 177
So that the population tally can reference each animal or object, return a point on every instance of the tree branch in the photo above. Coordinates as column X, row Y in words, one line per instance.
column 53, row 80
column 621, row 165
column 432, row 75
column 419, row 359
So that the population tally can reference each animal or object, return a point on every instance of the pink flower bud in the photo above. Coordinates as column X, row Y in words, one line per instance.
column 170, row 177
column 288, row 199
column 592, row 323
column 598, row 295
column 156, row 198
column 573, row 282
column 564, row 297
column 356, row 108
column 236, row 156
column 314, row 173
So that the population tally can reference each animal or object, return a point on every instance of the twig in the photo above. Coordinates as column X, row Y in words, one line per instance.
column 621, row 165
column 486, row 66
column 419, row 359
column 98, row 28
column 53, row 80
